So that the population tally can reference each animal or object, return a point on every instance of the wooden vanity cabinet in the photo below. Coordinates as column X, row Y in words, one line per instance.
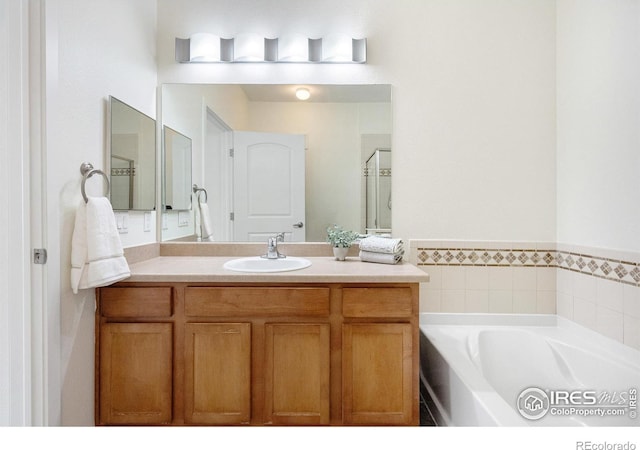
column 292, row 354
column 296, row 368
column 280, row 373
column 217, row 373
column 378, row 352
column 135, row 359
column 377, row 379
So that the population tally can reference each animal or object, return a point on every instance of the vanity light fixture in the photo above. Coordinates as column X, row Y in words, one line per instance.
column 294, row 48
column 337, row 48
column 204, row 47
column 303, row 94
column 248, row 47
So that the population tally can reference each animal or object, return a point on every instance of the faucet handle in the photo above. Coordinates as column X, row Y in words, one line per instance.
column 279, row 237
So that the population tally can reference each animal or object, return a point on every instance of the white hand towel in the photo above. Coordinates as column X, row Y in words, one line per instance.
column 381, row 245
column 79, row 247
column 97, row 257
column 382, row 258
column 205, row 223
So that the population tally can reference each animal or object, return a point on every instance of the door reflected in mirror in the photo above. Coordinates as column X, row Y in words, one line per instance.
column 132, row 148
column 340, row 125
column 177, row 170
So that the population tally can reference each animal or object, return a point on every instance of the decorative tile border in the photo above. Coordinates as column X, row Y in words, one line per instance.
column 123, row 172
column 626, row 272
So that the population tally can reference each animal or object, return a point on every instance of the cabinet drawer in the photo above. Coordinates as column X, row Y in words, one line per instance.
column 136, row 302
column 265, row 302
column 377, row 302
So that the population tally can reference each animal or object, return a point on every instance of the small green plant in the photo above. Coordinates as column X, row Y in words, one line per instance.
column 339, row 237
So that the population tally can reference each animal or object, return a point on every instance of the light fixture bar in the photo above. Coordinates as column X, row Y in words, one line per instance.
column 289, row 49
column 292, row 48
column 248, row 47
column 204, row 47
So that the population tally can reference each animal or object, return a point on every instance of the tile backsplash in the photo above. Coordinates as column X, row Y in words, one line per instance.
column 597, row 288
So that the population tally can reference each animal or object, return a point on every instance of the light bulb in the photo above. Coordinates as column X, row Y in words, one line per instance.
column 204, row 47
column 293, row 48
column 303, row 94
column 248, row 47
column 337, row 48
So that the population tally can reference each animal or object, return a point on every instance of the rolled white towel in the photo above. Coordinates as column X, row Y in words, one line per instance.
column 205, row 223
column 378, row 244
column 382, row 258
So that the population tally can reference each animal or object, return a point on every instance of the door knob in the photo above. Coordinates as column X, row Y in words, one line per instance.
column 298, row 225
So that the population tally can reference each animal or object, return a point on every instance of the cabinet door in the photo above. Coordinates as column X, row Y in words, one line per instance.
column 377, row 373
column 217, row 373
column 297, row 374
column 136, row 364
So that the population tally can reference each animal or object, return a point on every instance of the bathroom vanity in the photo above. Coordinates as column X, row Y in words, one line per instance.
column 185, row 341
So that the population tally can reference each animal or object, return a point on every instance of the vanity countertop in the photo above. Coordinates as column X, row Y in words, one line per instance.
column 323, row 269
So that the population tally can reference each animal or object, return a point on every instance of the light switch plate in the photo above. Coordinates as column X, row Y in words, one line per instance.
column 147, row 221
column 183, row 219
column 122, row 222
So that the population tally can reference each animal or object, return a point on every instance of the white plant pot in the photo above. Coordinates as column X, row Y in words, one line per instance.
column 340, row 253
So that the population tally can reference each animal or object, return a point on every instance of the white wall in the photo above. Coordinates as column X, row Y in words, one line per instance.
column 599, row 123
column 598, row 159
column 104, row 47
column 473, row 98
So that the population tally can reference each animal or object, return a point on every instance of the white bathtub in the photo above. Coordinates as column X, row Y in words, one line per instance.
column 478, row 368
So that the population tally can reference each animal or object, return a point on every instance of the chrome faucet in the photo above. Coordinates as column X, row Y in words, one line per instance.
column 272, row 247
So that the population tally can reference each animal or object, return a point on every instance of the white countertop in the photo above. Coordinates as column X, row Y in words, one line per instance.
column 322, row 270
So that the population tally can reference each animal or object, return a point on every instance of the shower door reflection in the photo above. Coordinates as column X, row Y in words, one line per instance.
column 378, row 192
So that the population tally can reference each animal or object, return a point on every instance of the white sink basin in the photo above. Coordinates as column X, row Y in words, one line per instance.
column 258, row 264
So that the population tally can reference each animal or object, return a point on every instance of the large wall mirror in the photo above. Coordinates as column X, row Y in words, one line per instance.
column 261, row 154
column 132, row 148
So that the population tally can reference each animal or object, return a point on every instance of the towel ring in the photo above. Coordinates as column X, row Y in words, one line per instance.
column 87, row 171
column 197, row 190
